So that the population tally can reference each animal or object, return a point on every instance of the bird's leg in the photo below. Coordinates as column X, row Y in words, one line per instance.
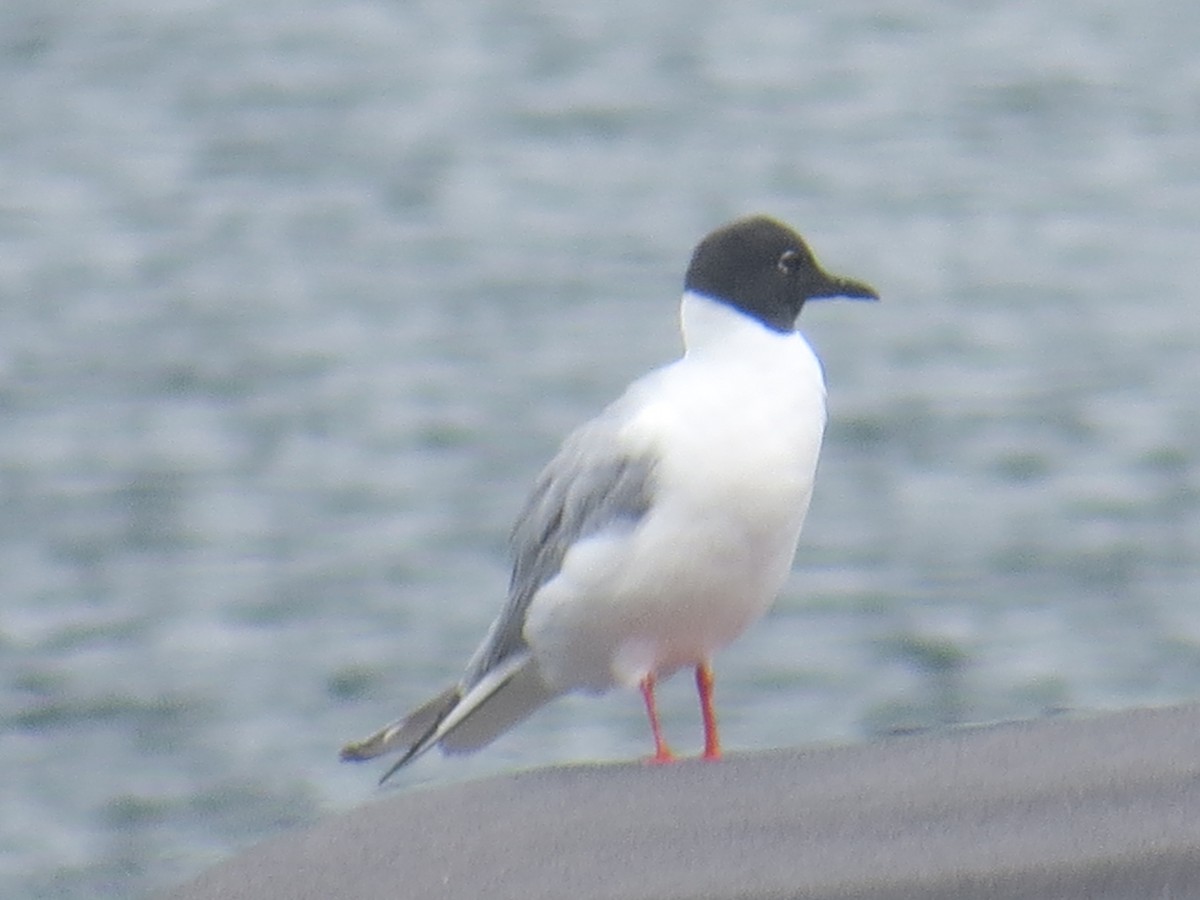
column 704, row 684
column 662, row 753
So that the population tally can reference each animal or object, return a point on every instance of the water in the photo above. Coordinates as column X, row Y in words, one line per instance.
column 295, row 298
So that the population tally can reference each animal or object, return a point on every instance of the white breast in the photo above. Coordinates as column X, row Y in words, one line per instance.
column 736, row 427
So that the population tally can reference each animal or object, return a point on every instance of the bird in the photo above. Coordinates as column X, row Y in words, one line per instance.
column 666, row 525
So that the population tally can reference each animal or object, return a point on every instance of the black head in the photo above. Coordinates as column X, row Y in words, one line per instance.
column 766, row 270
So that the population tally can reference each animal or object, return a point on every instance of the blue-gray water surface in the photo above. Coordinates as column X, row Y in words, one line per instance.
column 296, row 297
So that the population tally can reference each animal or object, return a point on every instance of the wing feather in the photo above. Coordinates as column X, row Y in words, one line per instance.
column 593, row 483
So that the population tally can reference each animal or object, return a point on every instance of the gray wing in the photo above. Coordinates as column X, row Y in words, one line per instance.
column 590, row 485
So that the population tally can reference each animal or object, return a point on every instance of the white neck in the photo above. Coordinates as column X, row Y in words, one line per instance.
column 707, row 322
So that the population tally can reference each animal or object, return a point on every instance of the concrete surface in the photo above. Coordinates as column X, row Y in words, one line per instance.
column 1103, row 807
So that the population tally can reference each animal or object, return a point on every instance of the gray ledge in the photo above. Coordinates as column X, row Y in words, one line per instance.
column 1104, row 807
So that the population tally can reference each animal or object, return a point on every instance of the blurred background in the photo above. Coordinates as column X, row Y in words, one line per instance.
column 297, row 297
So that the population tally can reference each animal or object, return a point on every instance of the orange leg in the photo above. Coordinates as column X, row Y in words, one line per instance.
column 704, row 684
column 662, row 753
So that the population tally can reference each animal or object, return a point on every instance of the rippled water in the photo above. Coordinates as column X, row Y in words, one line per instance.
column 295, row 298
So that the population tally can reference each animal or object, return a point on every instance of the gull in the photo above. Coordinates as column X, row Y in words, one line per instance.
column 667, row 524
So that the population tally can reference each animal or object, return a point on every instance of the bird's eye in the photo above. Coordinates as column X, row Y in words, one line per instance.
column 788, row 261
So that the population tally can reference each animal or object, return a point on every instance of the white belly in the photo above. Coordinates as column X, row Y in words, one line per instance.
column 737, row 446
